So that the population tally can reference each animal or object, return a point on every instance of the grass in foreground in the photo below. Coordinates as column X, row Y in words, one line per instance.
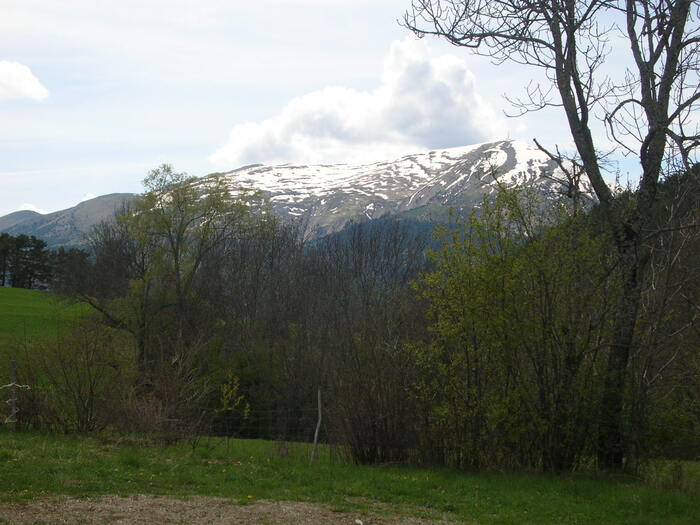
column 34, row 465
column 29, row 314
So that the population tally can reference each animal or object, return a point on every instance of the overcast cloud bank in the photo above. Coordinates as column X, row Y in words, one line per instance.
column 18, row 81
column 422, row 102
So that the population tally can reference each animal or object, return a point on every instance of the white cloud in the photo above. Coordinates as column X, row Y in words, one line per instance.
column 87, row 197
column 423, row 101
column 31, row 207
column 18, row 81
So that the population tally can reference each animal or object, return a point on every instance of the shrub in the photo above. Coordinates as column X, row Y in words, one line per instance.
column 76, row 381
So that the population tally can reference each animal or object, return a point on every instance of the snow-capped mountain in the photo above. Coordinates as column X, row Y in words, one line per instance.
column 328, row 196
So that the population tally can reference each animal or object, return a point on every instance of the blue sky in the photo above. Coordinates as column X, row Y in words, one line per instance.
column 93, row 94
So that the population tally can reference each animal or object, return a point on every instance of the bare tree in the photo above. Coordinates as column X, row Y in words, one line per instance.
column 648, row 113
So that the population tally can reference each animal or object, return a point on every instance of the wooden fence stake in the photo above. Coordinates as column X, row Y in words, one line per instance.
column 13, row 395
column 12, row 402
column 318, row 427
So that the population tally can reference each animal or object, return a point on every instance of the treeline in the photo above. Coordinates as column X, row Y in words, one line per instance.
column 26, row 262
column 486, row 352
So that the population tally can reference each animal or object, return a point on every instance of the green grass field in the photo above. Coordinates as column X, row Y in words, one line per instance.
column 28, row 314
column 35, row 465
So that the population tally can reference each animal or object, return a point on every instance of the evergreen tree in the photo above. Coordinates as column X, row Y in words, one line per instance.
column 6, row 241
column 28, row 262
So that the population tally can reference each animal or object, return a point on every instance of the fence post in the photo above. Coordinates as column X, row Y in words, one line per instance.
column 318, row 427
column 12, row 402
column 13, row 395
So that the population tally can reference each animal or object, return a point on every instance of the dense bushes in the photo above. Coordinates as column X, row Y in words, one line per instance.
column 521, row 304
column 520, row 321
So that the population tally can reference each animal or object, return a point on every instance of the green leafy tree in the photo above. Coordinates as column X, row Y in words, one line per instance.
column 148, row 266
column 519, row 308
column 181, row 221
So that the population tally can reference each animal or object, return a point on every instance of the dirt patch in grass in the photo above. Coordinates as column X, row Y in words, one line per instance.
column 142, row 509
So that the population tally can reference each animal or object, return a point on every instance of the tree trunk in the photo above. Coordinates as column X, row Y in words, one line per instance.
column 610, row 435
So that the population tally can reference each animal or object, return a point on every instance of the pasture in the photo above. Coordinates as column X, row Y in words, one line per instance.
column 230, row 474
column 28, row 314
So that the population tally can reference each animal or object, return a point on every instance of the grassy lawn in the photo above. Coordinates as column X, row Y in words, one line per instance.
column 34, row 465
column 27, row 314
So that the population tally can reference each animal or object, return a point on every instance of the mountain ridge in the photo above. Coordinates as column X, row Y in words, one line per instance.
column 66, row 227
column 329, row 196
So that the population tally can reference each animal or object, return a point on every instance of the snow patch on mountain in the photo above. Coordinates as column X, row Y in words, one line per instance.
column 329, row 195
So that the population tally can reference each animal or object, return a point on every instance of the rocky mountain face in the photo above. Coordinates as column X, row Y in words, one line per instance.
column 17, row 217
column 66, row 227
column 327, row 197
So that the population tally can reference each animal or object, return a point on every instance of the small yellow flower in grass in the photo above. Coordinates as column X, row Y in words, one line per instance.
column 250, row 498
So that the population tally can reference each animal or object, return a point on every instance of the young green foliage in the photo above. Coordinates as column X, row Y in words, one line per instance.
column 519, row 309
